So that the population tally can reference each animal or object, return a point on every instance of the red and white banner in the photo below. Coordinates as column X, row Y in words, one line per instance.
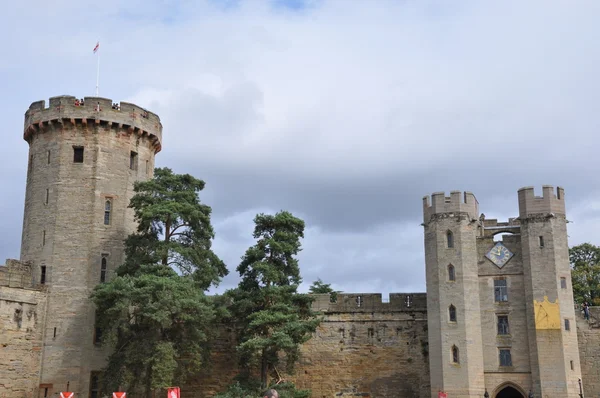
column 173, row 392
column 67, row 395
column 119, row 395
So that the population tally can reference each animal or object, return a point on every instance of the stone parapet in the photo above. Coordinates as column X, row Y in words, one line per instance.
column 370, row 302
column 92, row 110
column 457, row 202
column 551, row 202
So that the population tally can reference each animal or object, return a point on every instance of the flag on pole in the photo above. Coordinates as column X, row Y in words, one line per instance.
column 173, row 392
column 119, row 395
column 66, row 394
column 96, row 48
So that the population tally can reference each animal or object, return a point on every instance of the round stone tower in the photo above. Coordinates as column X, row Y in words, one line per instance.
column 84, row 157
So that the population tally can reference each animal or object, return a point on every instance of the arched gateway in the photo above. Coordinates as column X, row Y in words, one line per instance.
column 509, row 392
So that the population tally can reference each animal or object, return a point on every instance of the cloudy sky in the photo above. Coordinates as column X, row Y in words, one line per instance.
column 344, row 112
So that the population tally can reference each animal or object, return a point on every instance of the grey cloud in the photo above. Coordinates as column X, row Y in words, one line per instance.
column 346, row 114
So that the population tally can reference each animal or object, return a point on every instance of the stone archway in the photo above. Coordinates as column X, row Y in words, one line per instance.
column 509, row 392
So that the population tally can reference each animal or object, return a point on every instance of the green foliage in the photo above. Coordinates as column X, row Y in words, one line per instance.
column 585, row 273
column 174, row 228
column 274, row 318
column 157, row 320
column 319, row 287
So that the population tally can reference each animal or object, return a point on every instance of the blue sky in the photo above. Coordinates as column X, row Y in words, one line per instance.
column 345, row 113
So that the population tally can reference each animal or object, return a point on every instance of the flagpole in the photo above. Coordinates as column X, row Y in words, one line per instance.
column 97, row 70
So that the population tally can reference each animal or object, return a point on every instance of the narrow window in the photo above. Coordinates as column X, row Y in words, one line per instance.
column 45, row 392
column 77, row 154
column 567, row 324
column 147, row 168
column 94, row 385
column 572, row 366
column 44, row 238
column 133, row 162
column 451, row 274
column 541, row 241
column 43, row 275
column 370, row 333
column 358, row 301
column 47, row 196
column 103, row 269
column 48, row 157
column 455, row 356
column 342, row 333
column 30, row 165
column 54, row 336
column 500, row 290
column 408, row 301
column 505, row 357
column 503, row 325
column 452, row 313
column 450, row 239
column 107, row 209
column 563, row 282
column 97, row 331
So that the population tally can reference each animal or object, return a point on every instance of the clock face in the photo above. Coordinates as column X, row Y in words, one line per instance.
column 499, row 255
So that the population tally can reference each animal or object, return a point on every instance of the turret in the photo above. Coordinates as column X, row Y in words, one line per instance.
column 85, row 156
column 554, row 353
column 453, row 315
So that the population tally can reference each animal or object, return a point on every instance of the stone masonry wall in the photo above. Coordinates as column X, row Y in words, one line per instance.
column 364, row 347
column 22, row 317
column 588, row 336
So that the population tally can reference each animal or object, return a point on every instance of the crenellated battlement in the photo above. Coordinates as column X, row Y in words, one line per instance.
column 93, row 110
column 551, row 201
column 457, row 202
column 370, row 302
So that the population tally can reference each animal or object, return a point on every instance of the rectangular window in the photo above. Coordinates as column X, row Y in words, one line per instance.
column 371, row 333
column 503, row 325
column 147, row 168
column 47, row 196
column 563, row 282
column 77, row 154
column 133, row 160
column 505, row 357
column 500, row 290
column 44, row 238
column 567, row 324
column 48, row 157
column 572, row 366
column 43, row 275
column 95, row 385
column 541, row 241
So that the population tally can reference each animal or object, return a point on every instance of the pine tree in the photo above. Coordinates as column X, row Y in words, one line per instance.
column 274, row 318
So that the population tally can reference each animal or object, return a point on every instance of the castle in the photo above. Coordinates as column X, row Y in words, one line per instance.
column 498, row 317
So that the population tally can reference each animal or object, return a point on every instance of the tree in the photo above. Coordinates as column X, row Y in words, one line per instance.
column 154, row 313
column 274, row 318
column 318, row 287
column 585, row 273
column 174, row 228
